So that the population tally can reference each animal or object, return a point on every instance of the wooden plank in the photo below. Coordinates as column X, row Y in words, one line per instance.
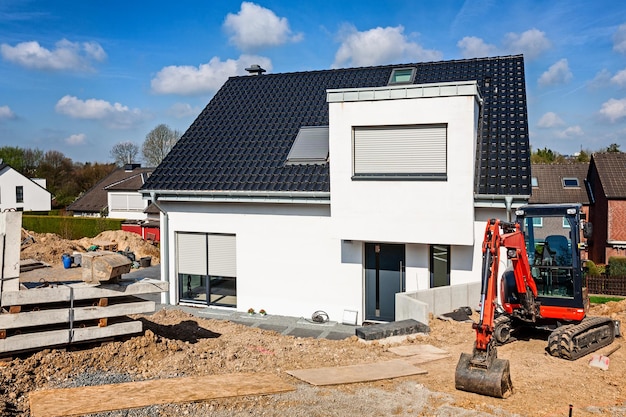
column 62, row 315
column 95, row 399
column 83, row 291
column 417, row 354
column 29, row 341
column 357, row 373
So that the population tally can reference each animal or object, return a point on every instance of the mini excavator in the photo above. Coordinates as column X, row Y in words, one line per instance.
column 542, row 288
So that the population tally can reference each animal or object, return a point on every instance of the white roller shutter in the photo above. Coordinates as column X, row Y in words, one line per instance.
column 222, row 255
column 118, row 202
column 402, row 150
column 135, row 202
column 191, row 253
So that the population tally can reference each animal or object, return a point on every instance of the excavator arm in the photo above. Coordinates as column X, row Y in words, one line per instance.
column 482, row 372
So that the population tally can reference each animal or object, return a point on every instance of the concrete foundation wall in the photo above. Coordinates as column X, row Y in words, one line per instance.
column 418, row 305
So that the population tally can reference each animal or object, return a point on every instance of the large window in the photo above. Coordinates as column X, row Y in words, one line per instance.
column 207, row 268
column 439, row 266
column 19, row 194
column 400, row 152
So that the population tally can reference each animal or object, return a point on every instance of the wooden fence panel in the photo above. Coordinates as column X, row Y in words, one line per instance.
column 603, row 285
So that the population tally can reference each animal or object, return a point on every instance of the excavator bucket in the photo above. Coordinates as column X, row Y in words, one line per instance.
column 492, row 378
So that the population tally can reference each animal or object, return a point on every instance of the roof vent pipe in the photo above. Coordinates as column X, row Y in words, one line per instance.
column 255, row 69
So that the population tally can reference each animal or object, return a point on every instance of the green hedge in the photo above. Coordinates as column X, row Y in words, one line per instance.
column 617, row 266
column 70, row 227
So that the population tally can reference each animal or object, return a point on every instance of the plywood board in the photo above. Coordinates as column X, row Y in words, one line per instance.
column 357, row 373
column 417, row 354
column 95, row 399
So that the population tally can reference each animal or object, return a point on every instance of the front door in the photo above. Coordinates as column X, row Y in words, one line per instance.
column 384, row 277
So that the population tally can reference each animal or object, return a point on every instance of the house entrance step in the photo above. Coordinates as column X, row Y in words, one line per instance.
column 394, row 328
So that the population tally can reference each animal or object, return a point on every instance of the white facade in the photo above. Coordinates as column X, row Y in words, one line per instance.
column 18, row 192
column 296, row 258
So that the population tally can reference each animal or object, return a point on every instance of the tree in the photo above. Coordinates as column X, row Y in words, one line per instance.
column 124, row 153
column 158, row 143
column 613, row 147
column 583, row 156
column 546, row 156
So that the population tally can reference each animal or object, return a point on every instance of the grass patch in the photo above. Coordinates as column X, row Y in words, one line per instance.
column 601, row 299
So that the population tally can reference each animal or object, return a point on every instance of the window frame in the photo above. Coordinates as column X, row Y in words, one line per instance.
column 431, row 265
column 565, row 181
column 396, row 71
column 19, row 193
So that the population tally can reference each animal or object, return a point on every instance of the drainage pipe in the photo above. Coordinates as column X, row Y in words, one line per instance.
column 165, row 249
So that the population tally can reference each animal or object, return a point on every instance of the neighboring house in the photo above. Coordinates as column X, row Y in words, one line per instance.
column 116, row 196
column 337, row 190
column 607, row 195
column 21, row 193
column 558, row 183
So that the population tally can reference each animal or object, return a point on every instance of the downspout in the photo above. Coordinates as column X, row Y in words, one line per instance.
column 165, row 260
column 508, row 201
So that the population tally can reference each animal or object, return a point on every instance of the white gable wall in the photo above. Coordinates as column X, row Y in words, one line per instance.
column 35, row 198
column 411, row 211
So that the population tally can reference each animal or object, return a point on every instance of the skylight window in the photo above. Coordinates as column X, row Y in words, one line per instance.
column 310, row 146
column 570, row 183
column 534, row 182
column 402, row 76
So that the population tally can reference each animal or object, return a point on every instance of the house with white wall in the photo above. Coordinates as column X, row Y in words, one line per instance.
column 116, row 196
column 339, row 190
column 18, row 192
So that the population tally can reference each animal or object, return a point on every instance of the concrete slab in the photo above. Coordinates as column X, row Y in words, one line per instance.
column 337, row 336
column 273, row 327
column 396, row 328
column 300, row 332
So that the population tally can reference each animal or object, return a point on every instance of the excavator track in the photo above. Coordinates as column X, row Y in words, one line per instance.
column 574, row 341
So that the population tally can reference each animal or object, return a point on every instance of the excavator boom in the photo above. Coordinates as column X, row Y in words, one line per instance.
column 482, row 372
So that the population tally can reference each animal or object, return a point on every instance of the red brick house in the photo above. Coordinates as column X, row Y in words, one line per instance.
column 606, row 184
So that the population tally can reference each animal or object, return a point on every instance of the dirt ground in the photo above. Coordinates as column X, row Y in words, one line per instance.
column 177, row 344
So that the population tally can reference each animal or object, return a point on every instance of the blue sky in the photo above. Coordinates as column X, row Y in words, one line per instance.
column 80, row 76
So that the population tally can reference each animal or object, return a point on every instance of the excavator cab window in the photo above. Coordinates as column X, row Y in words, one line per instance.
column 549, row 247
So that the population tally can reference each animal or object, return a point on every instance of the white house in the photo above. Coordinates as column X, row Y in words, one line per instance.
column 117, row 195
column 339, row 190
column 18, row 192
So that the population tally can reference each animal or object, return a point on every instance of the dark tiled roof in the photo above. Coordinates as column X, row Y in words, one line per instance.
column 611, row 167
column 95, row 199
column 242, row 138
column 550, row 188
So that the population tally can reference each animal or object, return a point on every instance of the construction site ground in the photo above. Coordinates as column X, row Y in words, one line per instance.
column 181, row 342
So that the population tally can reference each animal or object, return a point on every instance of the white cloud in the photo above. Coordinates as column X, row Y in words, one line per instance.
column 601, row 80
column 549, row 120
column 572, row 131
column 206, row 78
column 180, row 110
column 473, row 47
column 6, row 113
column 66, row 55
column 614, row 109
column 558, row 73
column 114, row 115
column 255, row 27
column 619, row 78
column 77, row 139
column 531, row 43
column 619, row 39
column 379, row 46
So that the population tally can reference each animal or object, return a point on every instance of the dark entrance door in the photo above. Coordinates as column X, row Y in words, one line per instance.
column 384, row 277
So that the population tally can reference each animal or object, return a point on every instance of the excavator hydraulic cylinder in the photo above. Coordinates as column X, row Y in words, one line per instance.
column 492, row 378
